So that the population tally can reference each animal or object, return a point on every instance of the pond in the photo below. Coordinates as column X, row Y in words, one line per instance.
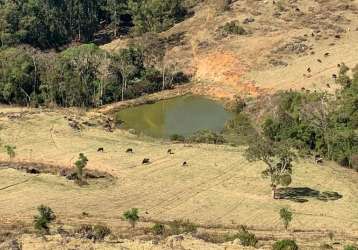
column 181, row 115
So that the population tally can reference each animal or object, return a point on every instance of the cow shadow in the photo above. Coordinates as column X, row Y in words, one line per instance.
column 302, row 194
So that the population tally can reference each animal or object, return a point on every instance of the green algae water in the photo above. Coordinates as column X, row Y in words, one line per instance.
column 181, row 115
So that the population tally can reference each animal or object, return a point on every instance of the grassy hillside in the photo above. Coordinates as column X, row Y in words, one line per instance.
column 219, row 189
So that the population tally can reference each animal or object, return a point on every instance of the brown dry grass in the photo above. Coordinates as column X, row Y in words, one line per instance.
column 218, row 188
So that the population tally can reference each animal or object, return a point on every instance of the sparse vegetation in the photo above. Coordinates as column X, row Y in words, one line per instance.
column 232, row 28
column 246, row 238
column 43, row 219
column 10, row 151
column 158, row 229
column 286, row 216
column 80, row 164
column 285, row 245
column 93, row 232
column 350, row 247
column 177, row 137
column 206, row 136
column 182, row 226
column 131, row 216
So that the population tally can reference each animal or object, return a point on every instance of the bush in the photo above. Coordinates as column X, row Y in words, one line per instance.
column 45, row 217
column 206, row 136
column 176, row 137
column 179, row 227
column 101, row 231
column 158, row 229
column 350, row 247
column 232, row 28
column 10, row 150
column 246, row 238
column 131, row 216
column 285, row 245
column 96, row 232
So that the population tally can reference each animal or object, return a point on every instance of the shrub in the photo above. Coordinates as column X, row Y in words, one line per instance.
column 45, row 217
column 158, row 229
column 10, row 150
column 101, row 231
column 350, row 247
column 286, row 216
column 80, row 164
column 285, row 245
column 96, row 232
column 206, row 136
column 232, row 28
column 176, row 137
column 179, row 227
column 131, row 216
column 246, row 238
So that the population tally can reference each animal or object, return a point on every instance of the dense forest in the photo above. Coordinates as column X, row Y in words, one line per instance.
column 44, row 63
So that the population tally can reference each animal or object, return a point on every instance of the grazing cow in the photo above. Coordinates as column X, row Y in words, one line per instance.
column 100, row 150
column 309, row 70
column 328, row 86
column 129, row 150
column 146, row 161
column 185, row 164
column 318, row 159
column 337, row 36
column 170, row 151
column 319, row 60
column 326, row 54
column 334, row 76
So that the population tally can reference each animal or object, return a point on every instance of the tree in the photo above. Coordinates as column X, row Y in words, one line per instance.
column 17, row 76
column 45, row 217
column 10, row 150
column 286, row 216
column 278, row 158
column 155, row 15
column 80, row 164
column 131, row 216
column 116, row 8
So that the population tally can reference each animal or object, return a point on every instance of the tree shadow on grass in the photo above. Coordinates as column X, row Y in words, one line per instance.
column 302, row 194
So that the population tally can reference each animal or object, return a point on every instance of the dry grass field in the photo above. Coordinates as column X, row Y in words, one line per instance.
column 219, row 189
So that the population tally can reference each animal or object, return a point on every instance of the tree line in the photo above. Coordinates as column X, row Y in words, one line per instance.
column 53, row 23
column 85, row 76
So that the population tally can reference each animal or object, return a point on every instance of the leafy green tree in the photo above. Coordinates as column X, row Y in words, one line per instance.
column 131, row 216
column 45, row 217
column 10, row 150
column 278, row 158
column 80, row 164
column 18, row 76
column 155, row 15
column 286, row 216
column 116, row 8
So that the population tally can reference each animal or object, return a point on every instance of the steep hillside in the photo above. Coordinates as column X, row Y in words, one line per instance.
column 288, row 44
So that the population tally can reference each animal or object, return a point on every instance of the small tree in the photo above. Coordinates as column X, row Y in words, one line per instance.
column 131, row 216
column 278, row 159
column 80, row 164
column 10, row 150
column 286, row 216
column 45, row 217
